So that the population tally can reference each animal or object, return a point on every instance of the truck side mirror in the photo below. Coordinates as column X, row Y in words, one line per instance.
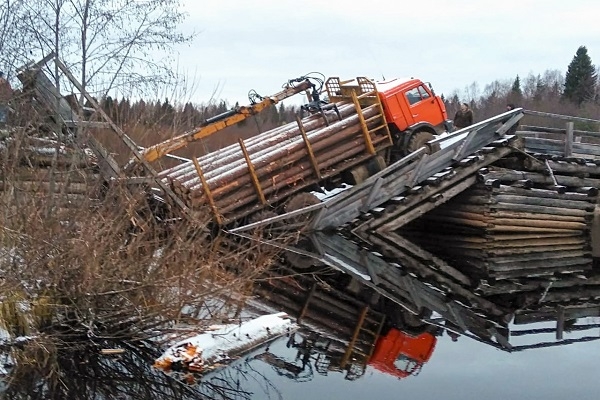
column 431, row 88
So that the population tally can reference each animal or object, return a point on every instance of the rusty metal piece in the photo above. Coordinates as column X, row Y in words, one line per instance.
column 252, row 172
column 207, row 192
column 311, row 154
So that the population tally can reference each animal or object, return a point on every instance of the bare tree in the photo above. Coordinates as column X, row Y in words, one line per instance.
column 11, row 44
column 105, row 42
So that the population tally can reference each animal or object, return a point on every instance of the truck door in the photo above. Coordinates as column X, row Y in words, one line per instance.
column 423, row 106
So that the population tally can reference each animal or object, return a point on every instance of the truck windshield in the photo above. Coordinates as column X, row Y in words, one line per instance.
column 406, row 364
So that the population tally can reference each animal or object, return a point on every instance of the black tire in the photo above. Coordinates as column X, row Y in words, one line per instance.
column 302, row 261
column 298, row 202
column 419, row 139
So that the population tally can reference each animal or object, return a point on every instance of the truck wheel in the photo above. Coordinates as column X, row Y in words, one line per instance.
column 302, row 261
column 418, row 140
column 362, row 172
column 298, row 202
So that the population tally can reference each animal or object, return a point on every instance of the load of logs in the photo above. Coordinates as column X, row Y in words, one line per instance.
column 38, row 167
column 516, row 224
column 266, row 169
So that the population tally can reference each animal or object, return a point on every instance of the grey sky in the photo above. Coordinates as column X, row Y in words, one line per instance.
column 260, row 44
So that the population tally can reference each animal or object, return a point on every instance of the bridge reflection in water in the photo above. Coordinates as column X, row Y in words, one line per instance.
column 385, row 305
column 376, row 306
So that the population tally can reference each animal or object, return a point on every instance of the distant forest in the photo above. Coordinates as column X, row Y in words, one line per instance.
column 575, row 93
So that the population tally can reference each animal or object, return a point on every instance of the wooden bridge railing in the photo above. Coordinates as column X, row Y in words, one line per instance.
column 403, row 175
column 566, row 142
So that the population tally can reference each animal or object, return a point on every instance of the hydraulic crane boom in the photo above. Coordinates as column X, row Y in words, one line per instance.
column 220, row 122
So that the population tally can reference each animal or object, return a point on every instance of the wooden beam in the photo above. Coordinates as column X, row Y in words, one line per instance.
column 569, row 140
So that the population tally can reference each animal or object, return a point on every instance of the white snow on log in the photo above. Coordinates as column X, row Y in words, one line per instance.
column 326, row 194
column 224, row 343
column 336, row 262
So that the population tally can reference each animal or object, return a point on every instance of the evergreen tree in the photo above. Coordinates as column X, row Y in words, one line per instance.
column 124, row 110
column 273, row 115
column 580, row 81
column 516, row 88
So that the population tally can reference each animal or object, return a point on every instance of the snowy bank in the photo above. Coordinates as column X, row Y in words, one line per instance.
column 225, row 342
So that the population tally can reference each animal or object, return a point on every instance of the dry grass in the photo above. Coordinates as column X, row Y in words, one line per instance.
column 77, row 274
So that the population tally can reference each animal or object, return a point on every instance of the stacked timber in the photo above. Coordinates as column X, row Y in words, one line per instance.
column 36, row 168
column 267, row 168
column 514, row 225
column 542, row 299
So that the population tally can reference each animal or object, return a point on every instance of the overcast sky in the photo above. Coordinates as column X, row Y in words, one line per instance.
column 259, row 44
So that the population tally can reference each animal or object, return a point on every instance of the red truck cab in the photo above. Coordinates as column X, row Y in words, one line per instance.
column 401, row 354
column 410, row 102
column 413, row 112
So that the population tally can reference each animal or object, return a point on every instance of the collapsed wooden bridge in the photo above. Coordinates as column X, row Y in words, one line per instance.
column 274, row 170
column 296, row 157
column 510, row 212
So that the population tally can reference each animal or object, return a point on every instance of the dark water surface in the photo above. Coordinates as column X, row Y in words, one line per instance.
column 465, row 369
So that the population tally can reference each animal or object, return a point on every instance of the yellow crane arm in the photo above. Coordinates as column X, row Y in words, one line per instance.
column 220, row 122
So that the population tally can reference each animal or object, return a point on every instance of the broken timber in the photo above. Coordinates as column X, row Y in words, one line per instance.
column 417, row 167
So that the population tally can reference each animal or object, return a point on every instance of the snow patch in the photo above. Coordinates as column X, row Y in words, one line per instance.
column 223, row 343
column 336, row 262
column 324, row 194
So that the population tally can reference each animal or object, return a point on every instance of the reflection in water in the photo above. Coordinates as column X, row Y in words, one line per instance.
column 385, row 307
column 86, row 374
column 485, row 310
column 381, row 305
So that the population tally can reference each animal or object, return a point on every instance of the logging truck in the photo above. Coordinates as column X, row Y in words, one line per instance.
column 348, row 130
column 359, row 128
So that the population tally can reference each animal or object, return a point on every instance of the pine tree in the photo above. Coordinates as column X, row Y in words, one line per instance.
column 515, row 95
column 580, row 81
column 282, row 119
column 516, row 87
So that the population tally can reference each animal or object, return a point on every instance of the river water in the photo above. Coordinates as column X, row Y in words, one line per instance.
column 462, row 369
column 535, row 337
